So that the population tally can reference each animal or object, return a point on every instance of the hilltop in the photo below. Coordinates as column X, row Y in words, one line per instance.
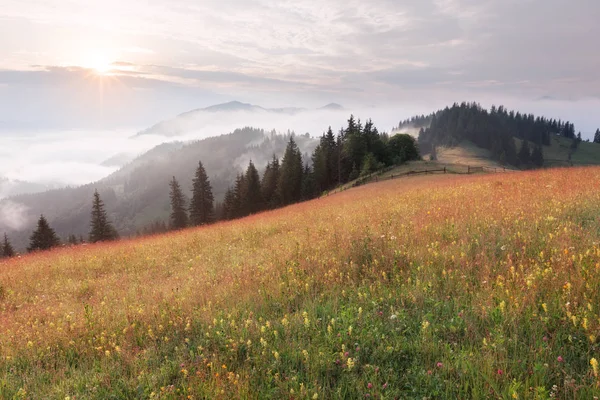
column 445, row 286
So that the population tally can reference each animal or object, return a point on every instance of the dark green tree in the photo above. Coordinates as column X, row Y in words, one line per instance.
column 402, row 148
column 202, row 204
column 229, row 205
column 309, row 188
column 252, row 198
column 524, row 154
column 269, row 183
column 179, row 217
column 101, row 229
column 7, row 249
column 289, row 187
column 537, row 156
column 597, row 136
column 44, row 237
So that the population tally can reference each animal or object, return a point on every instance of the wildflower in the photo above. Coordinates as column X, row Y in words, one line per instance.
column 370, row 385
column 276, row 355
column 393, row 316
column 559, row 359
column 315, row 396
column 594, row 364
column 425, row 325
column 350, row 363
column 439, row 365
column 385, row 385
column 500, row 372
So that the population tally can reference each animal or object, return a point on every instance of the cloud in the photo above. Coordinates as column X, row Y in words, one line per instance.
column 311, row 51
column 13, row 215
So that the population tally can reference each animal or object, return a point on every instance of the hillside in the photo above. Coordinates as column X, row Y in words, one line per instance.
column 440, row 287
column 242, row 113
column 560, row 148
column 138, row 193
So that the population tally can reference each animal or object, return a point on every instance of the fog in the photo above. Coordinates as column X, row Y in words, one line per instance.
column 36, row 160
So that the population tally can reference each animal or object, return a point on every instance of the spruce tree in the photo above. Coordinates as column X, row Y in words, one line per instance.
column 202, row 204
column 289, row 187
column 179, row 217
column 537, row 156
column 229, row 204
column 239, row 190
column 597, row 136
column 7, row 249
column 101, row 229
column 524, row 154
column 269, row 183
column 252, row 198
column 44, row 237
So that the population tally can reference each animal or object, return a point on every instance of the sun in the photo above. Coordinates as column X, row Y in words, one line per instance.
column 100, row 64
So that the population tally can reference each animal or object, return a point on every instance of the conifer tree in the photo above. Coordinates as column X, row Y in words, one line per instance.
column 597, row 136
column 289, row 186
column 7, row 249
column 331, row 151
column 44, row 237
column 101, row 229
column 202, row 204
column 269, row 183
column 524, row 154
column 537, row 156
column 179, row 217
column 239, row 190
column 252, row 199
column 229, row 205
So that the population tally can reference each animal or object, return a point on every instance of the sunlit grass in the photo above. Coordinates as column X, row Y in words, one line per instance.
column 439, row 287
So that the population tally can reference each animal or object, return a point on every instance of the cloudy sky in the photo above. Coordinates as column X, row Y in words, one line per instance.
column 109, row 63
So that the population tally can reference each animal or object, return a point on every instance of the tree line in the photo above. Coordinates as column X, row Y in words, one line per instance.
column 495, row 130
column 45, row 238
column 355, row 151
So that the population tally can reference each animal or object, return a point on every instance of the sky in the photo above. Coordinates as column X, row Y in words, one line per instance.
column 82, row 67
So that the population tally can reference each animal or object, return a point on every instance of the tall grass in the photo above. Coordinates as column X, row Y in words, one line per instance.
column 430, row 287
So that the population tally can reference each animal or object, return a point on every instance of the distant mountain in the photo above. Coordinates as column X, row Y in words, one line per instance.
column 332, row 106
column 246, row 114
column 11, row 187
column 138, row 193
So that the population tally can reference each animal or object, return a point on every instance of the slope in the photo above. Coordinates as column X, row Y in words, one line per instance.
column 446, row 287
column 137, row 194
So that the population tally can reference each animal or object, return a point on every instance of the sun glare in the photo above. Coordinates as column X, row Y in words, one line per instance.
column 100, row 64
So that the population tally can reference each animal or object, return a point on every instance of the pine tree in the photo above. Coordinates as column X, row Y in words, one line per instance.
column 44, row 237
column 101, row 229
column 269, row 183
column 252, row 198
column 7, row 249
column 524, row 154
column 597, row 136
column 289, row 186
column 202, row 204
column 179, row 217
column 537, row 156
column 229, row 205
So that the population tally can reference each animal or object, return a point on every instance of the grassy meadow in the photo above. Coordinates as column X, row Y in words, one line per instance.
column 435, row 287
